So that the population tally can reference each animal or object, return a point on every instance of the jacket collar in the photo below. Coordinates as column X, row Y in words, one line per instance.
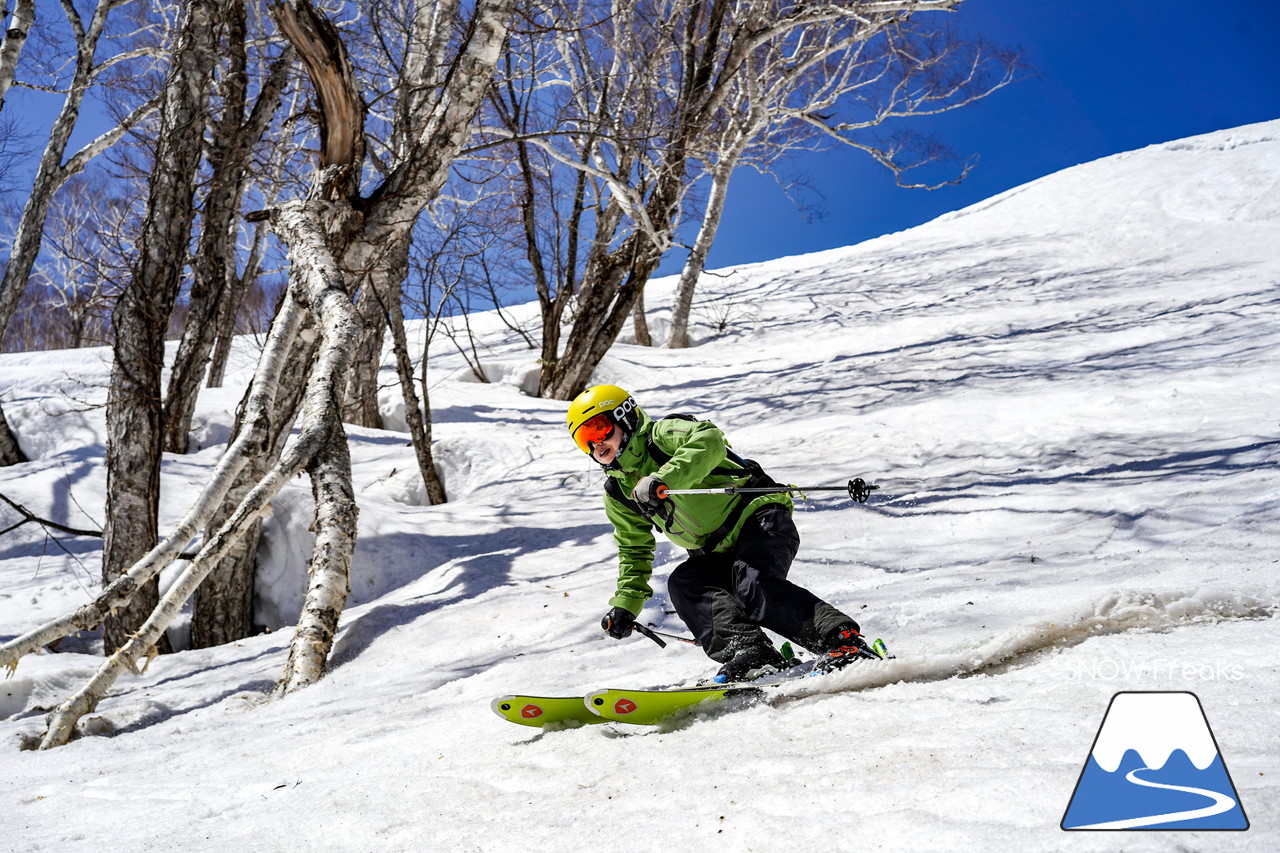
column 633, row 455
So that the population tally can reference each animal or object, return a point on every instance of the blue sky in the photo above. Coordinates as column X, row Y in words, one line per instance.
column 1108, row 76
column 1105, row 76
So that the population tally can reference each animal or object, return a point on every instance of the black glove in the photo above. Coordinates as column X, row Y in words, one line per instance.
column 617, row 623
column 646, row 494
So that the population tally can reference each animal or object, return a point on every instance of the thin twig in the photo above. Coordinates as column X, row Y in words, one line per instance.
column 28, row 515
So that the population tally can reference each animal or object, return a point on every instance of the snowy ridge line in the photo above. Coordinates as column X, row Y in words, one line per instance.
column 1117, row 613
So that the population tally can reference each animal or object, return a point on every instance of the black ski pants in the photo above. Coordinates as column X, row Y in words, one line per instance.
column 725, row 598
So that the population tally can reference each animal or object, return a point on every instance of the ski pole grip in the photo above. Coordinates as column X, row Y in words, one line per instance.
column 662, row 492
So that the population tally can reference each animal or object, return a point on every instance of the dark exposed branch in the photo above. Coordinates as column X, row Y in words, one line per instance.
column 321, row 50
column 29, row 516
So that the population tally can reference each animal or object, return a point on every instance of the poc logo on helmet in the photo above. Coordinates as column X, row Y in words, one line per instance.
column 622, row 412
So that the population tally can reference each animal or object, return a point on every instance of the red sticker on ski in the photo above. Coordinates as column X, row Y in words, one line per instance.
column 624, row 706
column 530, row 712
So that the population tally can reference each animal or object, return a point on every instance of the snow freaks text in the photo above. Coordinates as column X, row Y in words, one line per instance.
column 1109, row 669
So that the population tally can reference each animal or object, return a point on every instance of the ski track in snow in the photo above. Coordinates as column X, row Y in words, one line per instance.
column 1026, row 644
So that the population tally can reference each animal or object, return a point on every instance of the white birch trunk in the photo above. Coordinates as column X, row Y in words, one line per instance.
column 313, row 230
column 419, row 423
column 330, row 567
column 697, row 261
column 299, row 227
column 15, row 36
column 140, row 317
column 317, row 276
column 258, row 418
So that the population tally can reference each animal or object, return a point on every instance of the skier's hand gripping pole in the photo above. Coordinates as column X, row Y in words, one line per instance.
column 619, row 623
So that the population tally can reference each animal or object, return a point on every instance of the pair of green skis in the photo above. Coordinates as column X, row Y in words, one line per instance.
column 640, row 707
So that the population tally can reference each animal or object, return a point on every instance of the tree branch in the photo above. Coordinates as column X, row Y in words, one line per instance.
column 29, row 516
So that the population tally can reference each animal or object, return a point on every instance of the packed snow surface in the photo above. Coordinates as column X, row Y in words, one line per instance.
column 1067, row 395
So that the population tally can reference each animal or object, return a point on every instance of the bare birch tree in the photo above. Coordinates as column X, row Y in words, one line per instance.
column 835, row 82
column 223, row 605
column 316, row 230
column 223, row 609
column 141, row 317
column 55, row 168
column 440, row 95
column 649, row 81
column 234, row 135
column 417, row 407
column 561, row 206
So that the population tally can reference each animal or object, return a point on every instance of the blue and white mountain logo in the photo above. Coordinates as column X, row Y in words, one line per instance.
column 1155, row 765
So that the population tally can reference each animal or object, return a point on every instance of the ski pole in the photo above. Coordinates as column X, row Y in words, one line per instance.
column 662, row 644
column 690, row 640
column 859, row 490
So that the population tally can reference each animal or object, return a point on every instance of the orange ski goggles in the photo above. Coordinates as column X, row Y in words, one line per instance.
column 594, row 430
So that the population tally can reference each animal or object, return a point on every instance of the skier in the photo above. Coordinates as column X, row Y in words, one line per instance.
column 740, row 546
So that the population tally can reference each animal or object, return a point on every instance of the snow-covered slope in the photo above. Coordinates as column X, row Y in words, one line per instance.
column 1067, row 395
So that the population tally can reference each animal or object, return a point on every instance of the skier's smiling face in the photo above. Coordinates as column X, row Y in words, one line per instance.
column 607, row 449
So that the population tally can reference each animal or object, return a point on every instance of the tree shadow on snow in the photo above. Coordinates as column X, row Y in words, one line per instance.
column 978, row 341
column 472, row 566
column 1190, row 465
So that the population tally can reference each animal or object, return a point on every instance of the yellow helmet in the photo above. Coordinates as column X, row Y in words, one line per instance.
column 595, row 413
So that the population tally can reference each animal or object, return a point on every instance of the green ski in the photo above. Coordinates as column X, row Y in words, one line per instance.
column 649, row 707
column 539, row 711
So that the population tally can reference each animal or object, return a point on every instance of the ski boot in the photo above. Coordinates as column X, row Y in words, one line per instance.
column 751, row 663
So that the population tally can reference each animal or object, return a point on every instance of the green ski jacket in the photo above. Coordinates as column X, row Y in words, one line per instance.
column 685, row 454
